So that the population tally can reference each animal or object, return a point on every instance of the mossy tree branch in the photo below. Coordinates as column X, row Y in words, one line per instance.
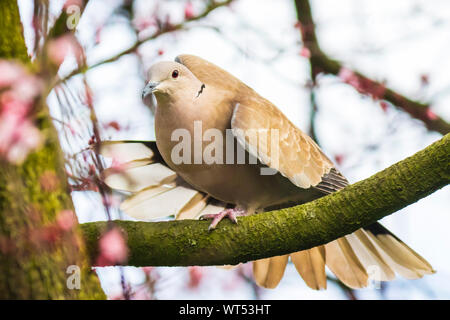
column 188, row 242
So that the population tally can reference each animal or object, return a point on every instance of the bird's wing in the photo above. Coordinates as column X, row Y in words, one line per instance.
column 267, row 134
column 153, row 190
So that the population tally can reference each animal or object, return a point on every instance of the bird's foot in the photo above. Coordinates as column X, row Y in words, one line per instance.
column 231, row 214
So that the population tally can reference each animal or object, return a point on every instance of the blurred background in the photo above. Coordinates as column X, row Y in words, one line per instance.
column 375, row 92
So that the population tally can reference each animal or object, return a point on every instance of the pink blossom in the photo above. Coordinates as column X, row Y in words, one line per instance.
column 304, row 52
column 28, row 88
column 339, row 158
column 431, row 115
column 18, row 136
column 68, row 3
column 59, row 48
column 29, row 139
column 66, row 220
column 384, row 105
column 113, row 124
column 348, row 76
column 144, row 23
column 98, row 33
column 189, row 10
column 147, row 270
column 12, row 104
column 195, row 277
column 364, row 85
column 113, row 249
column 9, row 73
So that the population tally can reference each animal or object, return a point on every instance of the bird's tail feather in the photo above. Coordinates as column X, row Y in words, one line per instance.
column 401, row 258
column 310, row 264
column 268, row 272
column 370, row 253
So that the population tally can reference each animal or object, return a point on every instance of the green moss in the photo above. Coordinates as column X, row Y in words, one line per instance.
column 12, row 44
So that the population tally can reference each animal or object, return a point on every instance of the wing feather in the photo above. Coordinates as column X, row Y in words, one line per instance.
column 156, row 190
column 294, row 154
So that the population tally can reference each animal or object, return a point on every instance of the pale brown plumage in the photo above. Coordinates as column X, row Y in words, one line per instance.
column 207, row 93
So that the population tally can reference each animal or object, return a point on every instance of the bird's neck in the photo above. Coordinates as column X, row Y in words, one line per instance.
column 207, row 104
column 189, row 93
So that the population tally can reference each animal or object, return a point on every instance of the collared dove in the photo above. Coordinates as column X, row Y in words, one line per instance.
column 191, row 91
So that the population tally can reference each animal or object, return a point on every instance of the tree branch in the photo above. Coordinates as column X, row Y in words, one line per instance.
column 320, row 62
column 188, row 242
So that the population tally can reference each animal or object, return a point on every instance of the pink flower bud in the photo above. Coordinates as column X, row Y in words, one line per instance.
column 431, row 115
column 348, row 76
column 68, row 3
column 188, row 10
column 66, row 220
column 339, row 158
column 304, row 52
column 59, row 48
column 113, row 249
column 195, row 277
column 9, row 73
column 384, row 105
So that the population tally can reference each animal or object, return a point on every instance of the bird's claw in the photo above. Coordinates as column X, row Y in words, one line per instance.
column 231, row 214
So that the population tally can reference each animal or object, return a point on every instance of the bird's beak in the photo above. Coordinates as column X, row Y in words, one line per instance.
column 149, row 88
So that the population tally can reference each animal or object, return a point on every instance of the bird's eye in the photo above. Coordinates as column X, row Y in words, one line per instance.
column 175, row 74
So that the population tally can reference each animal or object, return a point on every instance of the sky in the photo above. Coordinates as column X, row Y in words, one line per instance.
column 396, row 41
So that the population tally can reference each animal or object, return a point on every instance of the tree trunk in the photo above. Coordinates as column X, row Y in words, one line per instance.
column 36, row 254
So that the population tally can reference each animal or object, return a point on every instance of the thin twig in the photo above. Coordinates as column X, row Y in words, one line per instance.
column 167, row 29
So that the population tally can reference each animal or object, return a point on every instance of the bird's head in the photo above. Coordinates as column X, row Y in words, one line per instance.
column 168, row 79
